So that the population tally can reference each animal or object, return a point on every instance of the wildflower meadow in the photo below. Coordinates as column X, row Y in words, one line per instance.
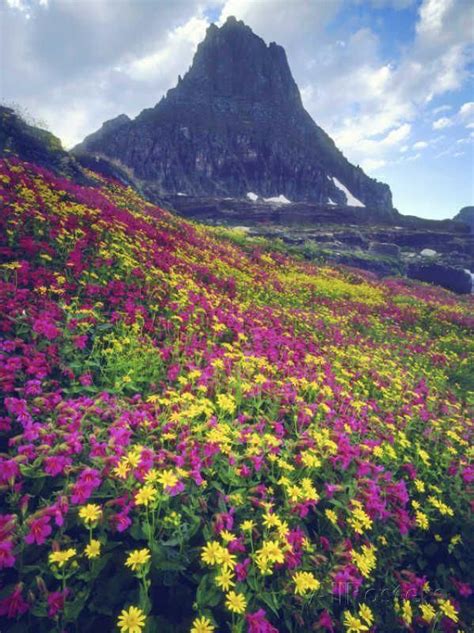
column 200, row 432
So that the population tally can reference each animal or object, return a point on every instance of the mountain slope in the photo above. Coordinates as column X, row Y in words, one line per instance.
column 236, row 124
column 466, row 215
column 196, row 428
column 31, row 143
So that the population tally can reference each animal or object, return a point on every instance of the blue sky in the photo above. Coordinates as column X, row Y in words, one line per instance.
column 390, row 80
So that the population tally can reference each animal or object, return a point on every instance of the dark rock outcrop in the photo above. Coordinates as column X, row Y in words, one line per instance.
column 455, row 279
column 32, row 144
column 466, row 215
column 386, row 249
column 235, row 124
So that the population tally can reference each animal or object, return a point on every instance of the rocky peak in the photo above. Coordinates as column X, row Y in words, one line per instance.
column 466, row 215
column 234, row 63
column 234, row 124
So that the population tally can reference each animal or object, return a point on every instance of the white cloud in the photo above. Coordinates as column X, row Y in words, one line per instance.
column 372, row 164
column 442, row 123
column 443, row 108
column 170, row 58
column 391, row 4
column 466, row 111
column 420, row 145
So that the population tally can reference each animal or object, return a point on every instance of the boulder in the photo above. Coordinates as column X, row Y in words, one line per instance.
column 428, row 252
column 449, row 277
column 385, row 249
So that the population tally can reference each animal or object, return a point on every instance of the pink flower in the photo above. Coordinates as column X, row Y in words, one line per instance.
column 241, row 570
column 9, row 470
column 56, row 600
column 46, row 328
column 6, row 554
column 325, row 621
column 80, row 341
column 86, row 380
column 258, row 623
column 14, row 604
column 56, row 464
column 39, row 531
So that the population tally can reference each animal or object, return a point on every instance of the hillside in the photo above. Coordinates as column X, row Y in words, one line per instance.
column 235, row 125
column 201, row 433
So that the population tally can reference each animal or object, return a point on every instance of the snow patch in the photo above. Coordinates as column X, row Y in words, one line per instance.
column 352, row 201
column 180, row 193
column 278, row 199
column 252, row 196
column 331, row 202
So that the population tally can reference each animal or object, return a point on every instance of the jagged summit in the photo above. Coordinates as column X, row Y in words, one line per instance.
column 235, row 124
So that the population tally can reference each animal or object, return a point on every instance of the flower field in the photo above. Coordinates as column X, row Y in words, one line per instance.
column 198, row 435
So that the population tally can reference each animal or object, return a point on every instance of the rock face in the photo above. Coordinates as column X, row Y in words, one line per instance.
column 32, row 144
column 384, row 248
column 466, row 215
column 455, row 279
column 235, row 124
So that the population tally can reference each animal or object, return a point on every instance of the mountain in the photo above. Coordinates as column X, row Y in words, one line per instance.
column 235, row 124
column 466, row 215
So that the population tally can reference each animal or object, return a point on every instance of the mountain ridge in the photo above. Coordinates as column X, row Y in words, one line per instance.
column 234, row 124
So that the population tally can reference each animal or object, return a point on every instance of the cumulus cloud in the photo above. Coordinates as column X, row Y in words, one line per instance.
column 420, row 145
column 76, row 64
column 375, row 95
column 442, row 123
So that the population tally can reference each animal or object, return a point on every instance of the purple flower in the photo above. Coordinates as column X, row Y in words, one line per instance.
column 40, row 529
column 56, row 600
column 6, row 554
column 14, row 604
column 258, row 623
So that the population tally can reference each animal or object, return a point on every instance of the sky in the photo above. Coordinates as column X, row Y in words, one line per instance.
column 391, row 81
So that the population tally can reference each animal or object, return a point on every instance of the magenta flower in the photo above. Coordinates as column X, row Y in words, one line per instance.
column 46, row 327
column 258, row 623
column 14, row 604
column 39, row 531
column 7, row 559
column 56, row 600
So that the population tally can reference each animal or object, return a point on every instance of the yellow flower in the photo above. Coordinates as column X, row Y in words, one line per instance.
column 422, row 520
column 145, row 496
column 419, row 485
column 366, row 614
column 167, row 479
column 407, row 613
column 353, row 624
column 427, row 612
column 224, row 579
column 90, row 513
column 93, row 549
column 131, row 621
column 271, row 520
column 247, row 526
column 331, row 516
column 365, row 560
column 447, row 608
column 60, row 558
column 122, row 470
column 138, row 558
column 235, row 602
column 210, row 553
column 152, row 476
column 304, row 582
column 226, row 559
column 202, row 625
column 227, row 536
